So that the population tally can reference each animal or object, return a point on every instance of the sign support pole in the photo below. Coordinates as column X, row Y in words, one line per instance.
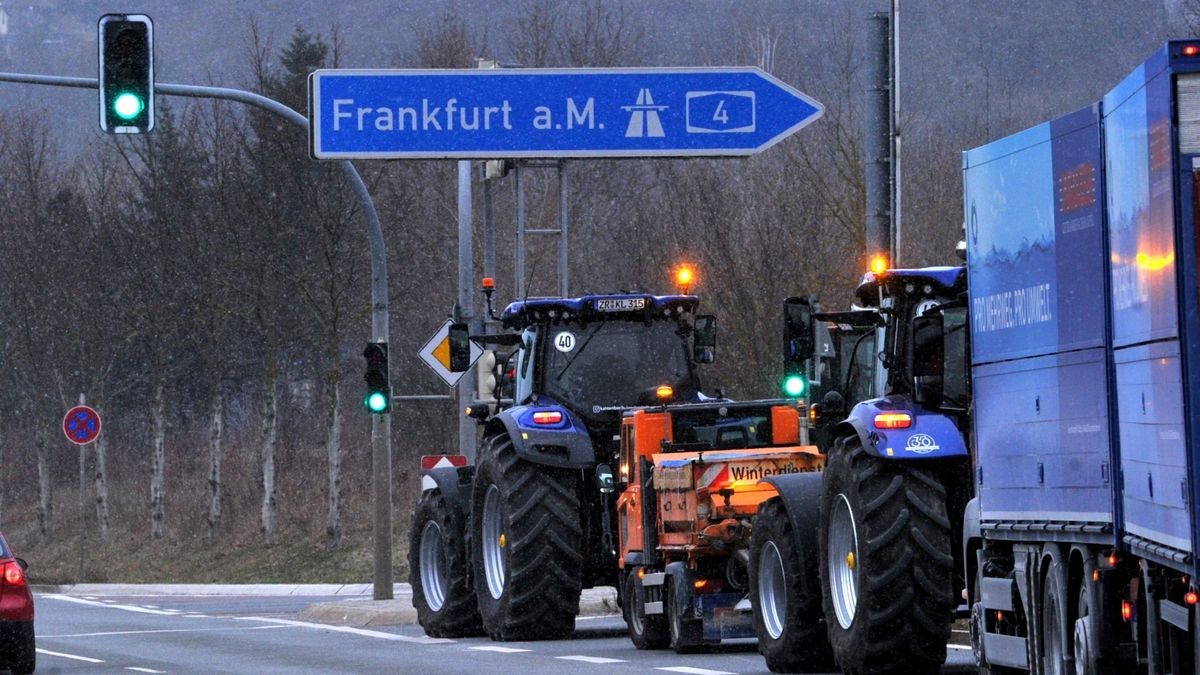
column 466, row 307
column 82, row 481
column 381, row 425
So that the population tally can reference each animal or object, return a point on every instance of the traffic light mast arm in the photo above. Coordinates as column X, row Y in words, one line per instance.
column 379, row 305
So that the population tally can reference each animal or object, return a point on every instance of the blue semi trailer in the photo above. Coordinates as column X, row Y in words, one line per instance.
column 1082, row 237
column 1041, row 409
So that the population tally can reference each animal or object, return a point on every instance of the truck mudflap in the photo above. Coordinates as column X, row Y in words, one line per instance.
column 928, row 434
column 565, row 444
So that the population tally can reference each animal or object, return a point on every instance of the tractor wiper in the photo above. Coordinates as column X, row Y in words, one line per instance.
column 582, row 347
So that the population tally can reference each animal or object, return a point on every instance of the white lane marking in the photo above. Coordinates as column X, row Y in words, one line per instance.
column 596, row 618
column 966, row 647
column 76, row 657
column 591, row 659
column 964, row 632
column 159, row 630
column 348, row 629
column 144, row 670
column 93, row 603
column 695, row 671
column 501, row 650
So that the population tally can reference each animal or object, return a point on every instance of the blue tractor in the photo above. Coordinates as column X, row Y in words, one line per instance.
column 506, row 545
column 886, row 514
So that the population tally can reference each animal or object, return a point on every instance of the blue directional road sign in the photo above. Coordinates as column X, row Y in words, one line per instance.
column 609, row 112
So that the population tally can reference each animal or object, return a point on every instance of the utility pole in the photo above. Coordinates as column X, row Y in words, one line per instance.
column 465, row 309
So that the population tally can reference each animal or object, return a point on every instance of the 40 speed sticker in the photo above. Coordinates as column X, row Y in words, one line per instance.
column 564, row 341
column 921, row 444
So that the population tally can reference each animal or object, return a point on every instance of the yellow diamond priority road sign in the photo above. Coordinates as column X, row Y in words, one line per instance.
column 436, row 355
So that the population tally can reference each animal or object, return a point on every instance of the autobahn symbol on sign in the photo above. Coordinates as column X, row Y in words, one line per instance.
column 585, row 112
column 436, row 355
column 81, row 424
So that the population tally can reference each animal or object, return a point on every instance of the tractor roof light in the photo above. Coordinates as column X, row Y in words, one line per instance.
column 664, row 393
column 879, row 264
column 685, row 277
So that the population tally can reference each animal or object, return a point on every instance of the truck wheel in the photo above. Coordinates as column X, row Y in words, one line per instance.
column 687, row 635
column 886, row 563
column 1054, row 626
column 1087, row 657
column 785, row 596
column 978, row 626
column 437, row 563
column 646, row 632
column 526, row 545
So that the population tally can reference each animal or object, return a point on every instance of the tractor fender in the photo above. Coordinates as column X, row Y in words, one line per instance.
column 931, row 434
column 455, row 485
column 566, row 445
column 801, row 496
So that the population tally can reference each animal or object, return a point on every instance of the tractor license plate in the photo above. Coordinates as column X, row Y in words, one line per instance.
column 620, row 304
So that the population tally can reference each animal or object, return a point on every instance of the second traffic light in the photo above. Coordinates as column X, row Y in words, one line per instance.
column 379, row 392
column 126, row 73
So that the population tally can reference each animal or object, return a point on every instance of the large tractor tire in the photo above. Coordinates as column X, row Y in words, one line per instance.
column 786, row 596
column 438, row 565
column 646, row 632
column 526, row 545
column 886, row 563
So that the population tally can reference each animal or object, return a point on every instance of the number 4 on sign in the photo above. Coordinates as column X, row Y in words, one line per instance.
column 721, row 114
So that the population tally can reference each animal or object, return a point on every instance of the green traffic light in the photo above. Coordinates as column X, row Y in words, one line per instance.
column 376, row 401
column 794, row 386
column 128, row 106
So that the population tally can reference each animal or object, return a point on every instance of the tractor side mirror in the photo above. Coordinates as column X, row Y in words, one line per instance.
column 604, row 479
column 799, row 338
column 460, row 347
column 704, row 344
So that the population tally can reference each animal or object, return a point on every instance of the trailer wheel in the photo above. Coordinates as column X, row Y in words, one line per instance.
column 687, row 635
column 785, row 596
column 1087, row 657
column 437, row 563
column 526, row 551
column 646, row 632
column 1054, row 644
column 886, row 563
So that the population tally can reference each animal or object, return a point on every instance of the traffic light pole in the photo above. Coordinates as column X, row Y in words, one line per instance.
column 381, row 425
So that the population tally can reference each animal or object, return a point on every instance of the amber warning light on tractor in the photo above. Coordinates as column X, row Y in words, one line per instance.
column 879, row 264
column 685, row 277
column 547, row 417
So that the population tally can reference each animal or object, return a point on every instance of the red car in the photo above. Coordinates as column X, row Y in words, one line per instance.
column 17, row 651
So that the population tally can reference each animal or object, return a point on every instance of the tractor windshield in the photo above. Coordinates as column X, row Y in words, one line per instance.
column 613, row 364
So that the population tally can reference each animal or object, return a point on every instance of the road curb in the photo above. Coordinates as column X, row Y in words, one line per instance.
column 399, row 611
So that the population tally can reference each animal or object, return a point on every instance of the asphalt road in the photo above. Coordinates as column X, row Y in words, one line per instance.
column 260, row 634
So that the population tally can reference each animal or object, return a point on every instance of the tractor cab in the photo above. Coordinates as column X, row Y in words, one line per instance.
column 924, row 347
column 599, row 354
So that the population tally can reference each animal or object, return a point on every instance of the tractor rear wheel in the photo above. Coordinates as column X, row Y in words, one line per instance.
column 437, row 563
column 886, row 563
column 526, row 550
column 786, row 596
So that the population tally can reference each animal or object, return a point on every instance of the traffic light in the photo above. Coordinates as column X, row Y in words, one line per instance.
column 126, row 73
column 379, row 393
column 485, row 377
column 795, row 385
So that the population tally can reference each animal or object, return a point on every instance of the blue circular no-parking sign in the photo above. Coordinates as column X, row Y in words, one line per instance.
column 81, row 424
